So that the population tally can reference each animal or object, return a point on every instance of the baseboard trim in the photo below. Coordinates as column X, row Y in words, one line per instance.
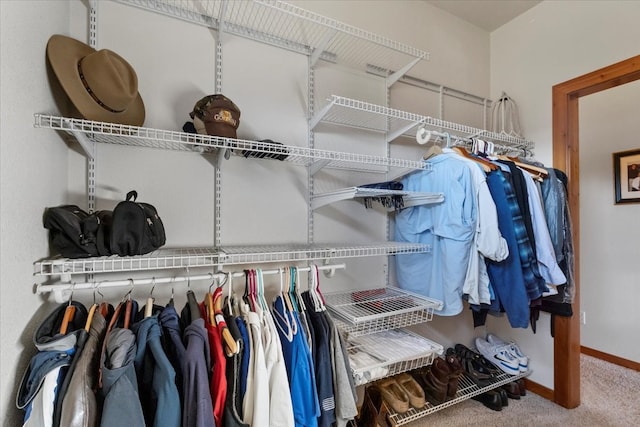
column 610, row 358
column 539, row 389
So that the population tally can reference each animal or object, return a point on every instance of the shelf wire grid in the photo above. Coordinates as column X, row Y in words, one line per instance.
column 113, row 133
column 319, row 200
column 290, row 27
column 466, row 390
column 167, row 258
column 389, row 355
column 363, row 115
column 367, row 311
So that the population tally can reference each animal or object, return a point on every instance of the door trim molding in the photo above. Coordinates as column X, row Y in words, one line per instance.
column 566, row 158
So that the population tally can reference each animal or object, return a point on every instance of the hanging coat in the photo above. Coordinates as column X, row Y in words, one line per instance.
column 79, row 407
column 119, row 383
column 45, row 374
column 156, row 377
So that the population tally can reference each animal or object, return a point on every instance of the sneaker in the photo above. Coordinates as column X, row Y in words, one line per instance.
column 499, row 356
column 512, row 348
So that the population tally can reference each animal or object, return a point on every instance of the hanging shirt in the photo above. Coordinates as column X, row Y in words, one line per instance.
column 448, row 227
column 487, row 241
column 280, row 409
column 343, row 386
column 173, row 345
column 218, row 383
column 255, row 406
column 506, row 276
column 304, row 396
column 547, row 265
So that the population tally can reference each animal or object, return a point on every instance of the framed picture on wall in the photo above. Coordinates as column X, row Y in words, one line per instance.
column 626, row 176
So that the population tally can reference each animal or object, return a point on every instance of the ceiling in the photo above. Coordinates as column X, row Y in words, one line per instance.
column 486, row 14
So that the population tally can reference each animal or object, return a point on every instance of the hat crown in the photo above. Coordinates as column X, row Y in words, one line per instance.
column 110, row 79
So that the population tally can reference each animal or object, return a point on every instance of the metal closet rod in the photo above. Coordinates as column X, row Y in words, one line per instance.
column 461, row 140
column 97, row 284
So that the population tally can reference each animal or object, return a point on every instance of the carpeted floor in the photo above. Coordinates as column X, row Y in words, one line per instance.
column 610, row 397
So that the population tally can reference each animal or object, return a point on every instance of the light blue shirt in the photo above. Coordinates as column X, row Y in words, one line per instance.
column 449, row 227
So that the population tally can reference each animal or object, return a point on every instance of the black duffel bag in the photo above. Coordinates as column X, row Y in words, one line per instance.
column 136, row 227
column 75, row 233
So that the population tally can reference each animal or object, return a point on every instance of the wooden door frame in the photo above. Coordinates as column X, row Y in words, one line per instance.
column 566, row 158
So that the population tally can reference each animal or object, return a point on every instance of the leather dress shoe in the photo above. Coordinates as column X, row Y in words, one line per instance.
column 504, row 399
column 512, row 389
column 523, row 387
column 491, row 399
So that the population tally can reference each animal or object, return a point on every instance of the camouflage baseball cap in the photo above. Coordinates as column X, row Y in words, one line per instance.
column 216, row 115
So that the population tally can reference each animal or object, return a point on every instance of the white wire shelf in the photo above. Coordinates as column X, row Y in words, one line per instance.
column 113, row 133
column 289, row 27
column 466, row 390
column 167, row 258
column 389, row 353
column 367, row 311
column 410, row 198
column 396, row 123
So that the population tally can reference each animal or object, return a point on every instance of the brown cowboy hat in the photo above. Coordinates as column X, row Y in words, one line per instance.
column 102, row 85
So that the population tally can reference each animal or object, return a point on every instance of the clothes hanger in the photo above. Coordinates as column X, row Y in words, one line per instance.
column 285, row 295
column 209, row 305
column 486, row 165
column 148, row 308
column 230, row 343
column 318, row 293
column 92, row 310
column 69, row 312
column 192, row 301
column 128, row 307
column 292, row 287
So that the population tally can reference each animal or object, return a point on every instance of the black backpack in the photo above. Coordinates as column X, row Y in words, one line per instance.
column 136, row 228
column 75, row 233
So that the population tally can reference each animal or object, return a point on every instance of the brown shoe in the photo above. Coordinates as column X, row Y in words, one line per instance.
column 455, row 369
column 435, row 390
column 373, row 412
column 413, row 390
column 394, row 395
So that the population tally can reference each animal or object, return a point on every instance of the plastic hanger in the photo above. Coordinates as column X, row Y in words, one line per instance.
column 292, row 287
column 285, row 293
column 316, row 289
column 209, row 306
column 69, row 312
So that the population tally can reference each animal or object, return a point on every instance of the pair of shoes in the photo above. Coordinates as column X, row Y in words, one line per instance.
column 523, row 387
column 413, row 390
column 395, row 396
column 491, row 399
column 512, row 348
column 455, row 370
column 499, row 356
column 373, row 412
column 512, row 389
column 476, row 367
column 434, row 380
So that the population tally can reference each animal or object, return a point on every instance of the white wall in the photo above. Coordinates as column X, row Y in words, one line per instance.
column 549, row 44
column 33, row 172
column 610, row 281
column 263, row 201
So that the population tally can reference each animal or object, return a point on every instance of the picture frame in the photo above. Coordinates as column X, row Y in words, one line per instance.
column 626, row 176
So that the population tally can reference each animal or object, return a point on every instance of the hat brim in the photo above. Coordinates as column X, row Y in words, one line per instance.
column 63, row 54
